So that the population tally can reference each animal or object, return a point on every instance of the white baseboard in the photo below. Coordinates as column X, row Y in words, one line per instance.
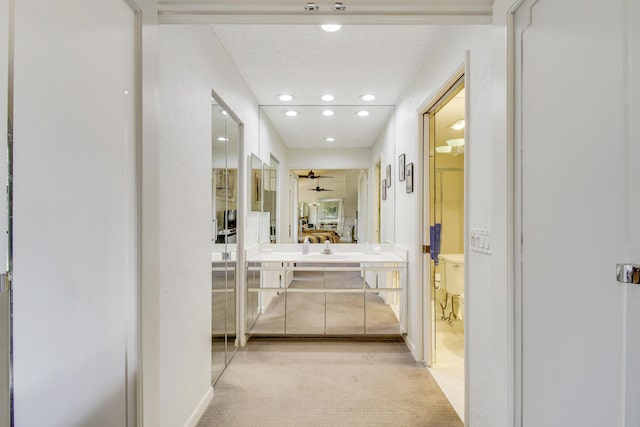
column 412, row 348
column 202, row 406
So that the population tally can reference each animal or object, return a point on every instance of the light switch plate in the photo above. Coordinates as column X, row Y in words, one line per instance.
column 480, row 240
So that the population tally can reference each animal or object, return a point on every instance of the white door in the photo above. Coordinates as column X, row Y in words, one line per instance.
column 74, row 214
column 577, row 160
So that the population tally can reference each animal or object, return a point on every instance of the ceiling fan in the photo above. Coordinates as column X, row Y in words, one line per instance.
column 312, row 175
column 318, row 187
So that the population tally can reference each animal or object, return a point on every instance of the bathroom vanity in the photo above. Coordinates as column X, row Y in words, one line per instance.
column 356, row 290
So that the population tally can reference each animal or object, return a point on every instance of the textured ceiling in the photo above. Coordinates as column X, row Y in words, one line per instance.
column 305, row 61
column 278, row 47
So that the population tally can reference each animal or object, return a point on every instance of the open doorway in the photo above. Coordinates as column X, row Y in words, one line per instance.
column 444, row 148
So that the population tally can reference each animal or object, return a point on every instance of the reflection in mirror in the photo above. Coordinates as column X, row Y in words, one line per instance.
column 271, row 196
column 338, row 131
column 256, row 183
column 328, row 206
column 224, row 197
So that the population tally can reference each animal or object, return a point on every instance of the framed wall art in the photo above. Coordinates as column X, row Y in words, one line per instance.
column 409, row 178
column 388, row 180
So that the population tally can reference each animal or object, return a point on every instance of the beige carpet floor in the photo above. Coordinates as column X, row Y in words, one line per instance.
column 284, row 382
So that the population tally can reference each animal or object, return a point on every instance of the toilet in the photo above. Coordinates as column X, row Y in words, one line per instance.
column 452, row 279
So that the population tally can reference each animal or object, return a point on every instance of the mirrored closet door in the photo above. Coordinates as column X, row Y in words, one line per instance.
column 224, row 215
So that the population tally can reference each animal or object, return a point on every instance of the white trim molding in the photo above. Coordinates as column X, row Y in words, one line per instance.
column 200, row 408
column 293, row 12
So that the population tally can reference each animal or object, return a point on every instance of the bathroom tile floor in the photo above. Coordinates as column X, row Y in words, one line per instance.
column 448, row 370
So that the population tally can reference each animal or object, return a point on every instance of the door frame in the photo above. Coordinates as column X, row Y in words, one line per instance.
column 428, row 343
column 6, row 293
column 425, row 134
column 514, row 287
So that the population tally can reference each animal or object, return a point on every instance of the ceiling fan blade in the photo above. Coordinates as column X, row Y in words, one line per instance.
column 311, row 175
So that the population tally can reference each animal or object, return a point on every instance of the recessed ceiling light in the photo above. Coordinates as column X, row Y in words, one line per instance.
column 367, row 97
column 327, row 97
column 222, row 139
column 285, row 97
column 457, row 125
column 363, row 113
column 331, row 28
column 330, row 139
column 327, row 113
column 291, row 113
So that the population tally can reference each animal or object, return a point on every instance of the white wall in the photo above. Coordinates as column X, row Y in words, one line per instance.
column 190, row 63
column 74, row 206
column 440, row 65
column 384, row 152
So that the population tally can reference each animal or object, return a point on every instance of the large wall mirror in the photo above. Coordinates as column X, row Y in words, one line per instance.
column 357, row 151
column 226, row 135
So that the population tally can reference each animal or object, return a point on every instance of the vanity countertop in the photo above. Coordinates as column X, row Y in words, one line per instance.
column 320, row 258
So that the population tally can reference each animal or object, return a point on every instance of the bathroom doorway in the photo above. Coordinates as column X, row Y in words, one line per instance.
column 444, row 148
